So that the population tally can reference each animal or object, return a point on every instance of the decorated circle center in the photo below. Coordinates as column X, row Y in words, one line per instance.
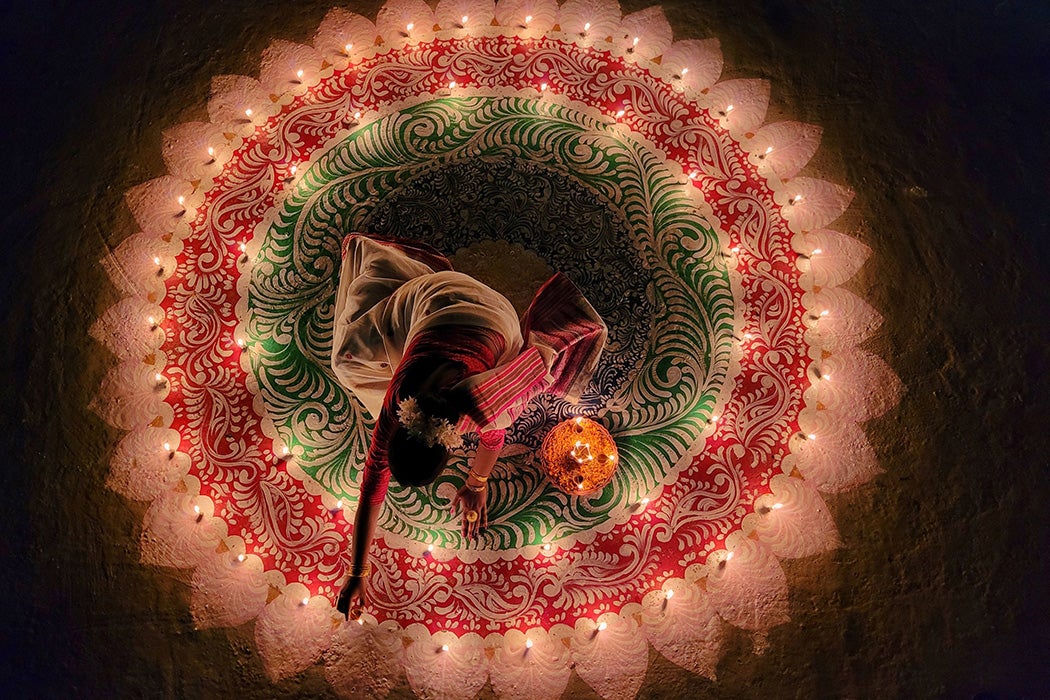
column 589, row 200
column 564, row 138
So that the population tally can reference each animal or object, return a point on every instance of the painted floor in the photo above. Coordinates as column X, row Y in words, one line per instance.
column 934, row 114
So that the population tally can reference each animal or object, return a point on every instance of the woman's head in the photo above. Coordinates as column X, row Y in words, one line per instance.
column 413, row 462
column 415, row 457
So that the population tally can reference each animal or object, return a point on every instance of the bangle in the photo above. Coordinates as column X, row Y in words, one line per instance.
column 476, row 489
column 360, row 571
column 479, row 477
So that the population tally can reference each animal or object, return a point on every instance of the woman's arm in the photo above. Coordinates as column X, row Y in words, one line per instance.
column 471, row 497
column 353, row 597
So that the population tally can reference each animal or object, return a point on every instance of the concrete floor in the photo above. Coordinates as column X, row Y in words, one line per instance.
column 935, row 113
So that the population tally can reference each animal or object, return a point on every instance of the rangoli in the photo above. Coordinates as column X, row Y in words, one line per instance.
column 579, row 140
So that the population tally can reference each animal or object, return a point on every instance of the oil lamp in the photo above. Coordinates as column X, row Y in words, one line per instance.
column 579, row 456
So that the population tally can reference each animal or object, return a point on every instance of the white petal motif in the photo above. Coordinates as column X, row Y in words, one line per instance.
column 793, row 520
column 140, row 264
column 443, row 665
column 341, row 28
column 146, row 463
column 289, row 67
column 399, row 20
column 739, row 105
column 784, row 147
column 364, row 659
column 611, row 660
column 652, row 30
column 231, row 98
column 126, row 329
column 838, row 456
column 291, row 635
column 531, row 17
column 130, row 397
column 808, row 204
column 532, row 666
column 697, row 63
column 749, row 590
column 156, row 204
column 450, row 13
column 854, row 384
column 194, row 150
column 838, row 320
column 175, row 534
column 594, row 20
column 684, row 628
column 833, row 257
column 228, row 591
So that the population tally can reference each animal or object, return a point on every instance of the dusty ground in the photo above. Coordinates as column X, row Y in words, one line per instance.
column 934, row 113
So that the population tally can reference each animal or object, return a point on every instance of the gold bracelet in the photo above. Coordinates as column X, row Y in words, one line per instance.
column 360, row 571
column 479, row 477
column 476, row 489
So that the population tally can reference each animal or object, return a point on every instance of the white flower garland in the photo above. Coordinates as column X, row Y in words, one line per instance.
column 431, row 431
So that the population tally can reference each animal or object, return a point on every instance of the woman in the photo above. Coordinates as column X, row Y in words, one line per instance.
column 432, row 354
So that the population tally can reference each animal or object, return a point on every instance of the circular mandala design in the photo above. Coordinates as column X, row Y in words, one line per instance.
column 662, row 386
column 733, row 384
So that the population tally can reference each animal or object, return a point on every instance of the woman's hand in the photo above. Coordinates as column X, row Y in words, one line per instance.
column 470, row 501
column 352, row 597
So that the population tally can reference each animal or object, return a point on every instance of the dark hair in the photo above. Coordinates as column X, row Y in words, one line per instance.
column 412, row 462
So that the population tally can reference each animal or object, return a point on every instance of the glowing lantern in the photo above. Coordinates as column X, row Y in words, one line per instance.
column 579, row 456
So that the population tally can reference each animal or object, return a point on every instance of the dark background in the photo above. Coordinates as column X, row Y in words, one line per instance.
column 935, row 113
